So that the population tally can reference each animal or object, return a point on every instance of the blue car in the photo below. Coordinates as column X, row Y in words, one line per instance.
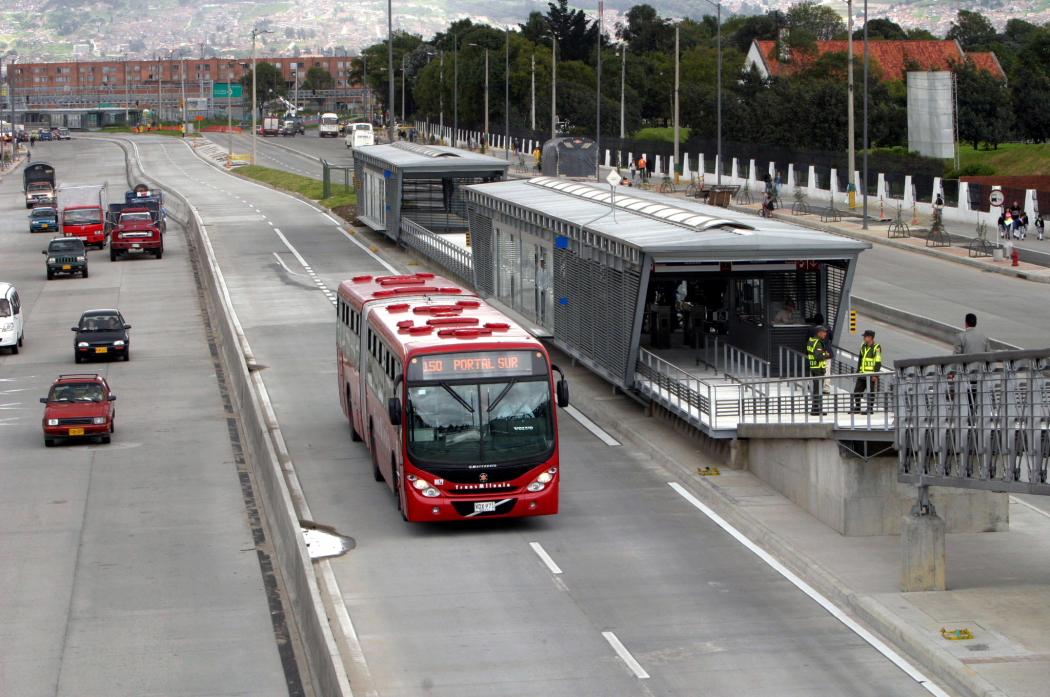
column 43, row 219
column 45, row 135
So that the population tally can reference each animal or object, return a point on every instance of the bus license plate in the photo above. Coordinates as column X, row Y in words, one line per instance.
column 484, row 506
column 102, row 349
column 76, row 431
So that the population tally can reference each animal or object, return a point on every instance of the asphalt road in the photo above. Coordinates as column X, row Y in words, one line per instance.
column 275, row 151
column 463, row 610
column 128, row 568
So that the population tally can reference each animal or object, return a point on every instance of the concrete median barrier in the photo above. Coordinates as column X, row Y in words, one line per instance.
column 305, row 583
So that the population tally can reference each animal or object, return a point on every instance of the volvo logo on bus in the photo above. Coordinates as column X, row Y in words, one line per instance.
column 483, row 477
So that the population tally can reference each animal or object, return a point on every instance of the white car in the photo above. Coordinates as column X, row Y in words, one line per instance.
column 358, row 135
column 12, row 324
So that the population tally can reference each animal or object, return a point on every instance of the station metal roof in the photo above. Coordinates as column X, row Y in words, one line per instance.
column 418, row 157
column 664, row 225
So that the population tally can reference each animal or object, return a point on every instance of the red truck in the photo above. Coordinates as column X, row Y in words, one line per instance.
column 82, row 210
column 134, row 232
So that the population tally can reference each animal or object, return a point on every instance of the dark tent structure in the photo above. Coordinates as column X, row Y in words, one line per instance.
column 569, row 157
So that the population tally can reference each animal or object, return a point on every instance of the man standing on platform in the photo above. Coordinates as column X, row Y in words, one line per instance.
column 818, row 352
column 870, row 365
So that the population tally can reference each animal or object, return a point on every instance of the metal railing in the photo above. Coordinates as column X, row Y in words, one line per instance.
column 792, row 363
column 981, row 424
column 733, row 362
column 847, row 401
column 457, row 260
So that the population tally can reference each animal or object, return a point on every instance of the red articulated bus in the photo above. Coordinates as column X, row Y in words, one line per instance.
column 454, row 400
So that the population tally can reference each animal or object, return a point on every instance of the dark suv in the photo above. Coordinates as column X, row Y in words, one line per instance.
column 102, row 334
column 66, row 255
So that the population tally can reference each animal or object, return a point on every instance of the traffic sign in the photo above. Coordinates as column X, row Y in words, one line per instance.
column 996, row 198
column 613, row 178
column 221, row 90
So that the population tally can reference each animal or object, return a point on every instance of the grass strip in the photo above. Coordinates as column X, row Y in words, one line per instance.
column 298, row 184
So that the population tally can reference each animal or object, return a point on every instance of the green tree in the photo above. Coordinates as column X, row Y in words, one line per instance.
column 269, row 83
column 808, row 22
column 644, row 30
column 973, row 31
column 985, row 108
column 536, row 29
column 317, row 78
column 576, row 36
column 739, row 31
column 918, row 34
column 881, row 28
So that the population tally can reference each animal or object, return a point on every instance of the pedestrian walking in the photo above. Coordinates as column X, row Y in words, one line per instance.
column 870, row 365
column 968, row 341
column 643, row 164
column 777, row 183
column 818, row 351
column 543, row 286
column 1039, row 225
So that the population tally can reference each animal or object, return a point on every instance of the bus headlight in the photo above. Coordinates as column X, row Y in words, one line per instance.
column 423, row 487
column 431, row 493
column 542, row 481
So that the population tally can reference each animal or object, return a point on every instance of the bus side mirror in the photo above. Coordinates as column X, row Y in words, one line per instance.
column 563, row 393
column 393, row 407
column 561, row 388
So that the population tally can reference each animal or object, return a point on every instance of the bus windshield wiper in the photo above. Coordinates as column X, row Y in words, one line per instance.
column 456, row 396
column 501, row 395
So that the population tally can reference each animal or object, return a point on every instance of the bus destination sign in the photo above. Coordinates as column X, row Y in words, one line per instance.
column 480, row 364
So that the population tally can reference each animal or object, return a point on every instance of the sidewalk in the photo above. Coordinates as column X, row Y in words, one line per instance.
column 877, row 233
column 999, row 585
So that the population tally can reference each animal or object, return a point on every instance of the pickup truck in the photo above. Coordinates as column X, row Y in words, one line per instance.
column 134, row 234
column 136, row 209
column 38, row 184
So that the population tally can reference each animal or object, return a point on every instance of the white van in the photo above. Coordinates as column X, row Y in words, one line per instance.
column 12, row 325
column 358, row 134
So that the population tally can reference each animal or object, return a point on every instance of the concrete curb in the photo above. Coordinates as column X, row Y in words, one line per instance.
column 942, row 666
column 925, row 326
column 928, row 251
column 307, row 589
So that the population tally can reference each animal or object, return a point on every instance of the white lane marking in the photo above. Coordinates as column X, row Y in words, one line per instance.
column 625, row 655
column 831, row 608
column 546, row 558
column 369, row 252
column 591, row 426
column 299, row 257
column 285, row 266
column 1038, row 510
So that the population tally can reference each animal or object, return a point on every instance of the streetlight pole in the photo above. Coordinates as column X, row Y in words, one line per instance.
column 851, row 129
column 255, row 33
column 403, row 88
column 718, row 153
column 598, row 95
column 229, row 115
column 506, row 98
column 182, row 75
column 554, row 85
column 485, row 137
column 455, row 89
column 127, row 94
column 390, row 67
column 368, row 90
column 677, row 75
column 160, row 80
column 865, row 176
column 623, row 76
column 441, row 100
column 532, row 120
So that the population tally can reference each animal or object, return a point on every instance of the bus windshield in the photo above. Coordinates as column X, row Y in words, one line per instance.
column 329, row 120
column 490, row 422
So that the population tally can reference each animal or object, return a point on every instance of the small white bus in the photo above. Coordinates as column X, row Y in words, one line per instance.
column 329, row 126
column 358, row 134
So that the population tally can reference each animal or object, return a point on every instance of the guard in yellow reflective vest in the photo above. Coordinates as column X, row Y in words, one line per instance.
column 870, row 365
column 818, row 352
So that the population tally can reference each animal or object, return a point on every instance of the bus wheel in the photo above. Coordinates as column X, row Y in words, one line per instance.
column 376, row 474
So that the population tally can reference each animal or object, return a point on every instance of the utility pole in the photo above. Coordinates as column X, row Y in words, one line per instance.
column 127, row 94
column 160, row 78
column 865, row 211
column 554, row 86
column 532, row 120
column 485, row 144
column 677, row 84
column 455, row 89
column 255, row 33
column 851, row 129
column 441, row 100
column 506, row 99
column 368, row 90
column 390, row 67
column 403, row 88
column 623, row 75
column 229, row 115
column 598, row 95
column 182, row 74
column 718, row 5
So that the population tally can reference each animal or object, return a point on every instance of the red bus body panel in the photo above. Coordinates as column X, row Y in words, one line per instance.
column 381, row 304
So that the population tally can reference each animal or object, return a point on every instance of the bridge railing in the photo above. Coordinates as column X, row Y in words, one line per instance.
column 979, row 421
column 456, row 259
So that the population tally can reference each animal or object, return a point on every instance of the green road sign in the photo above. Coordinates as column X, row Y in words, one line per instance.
column 221, row 90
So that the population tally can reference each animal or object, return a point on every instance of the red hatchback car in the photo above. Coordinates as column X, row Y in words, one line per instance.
column 79, row 406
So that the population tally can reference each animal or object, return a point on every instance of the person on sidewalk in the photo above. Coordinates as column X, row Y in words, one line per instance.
column 818, row 351
column 1039, row 226
column 870, row 365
